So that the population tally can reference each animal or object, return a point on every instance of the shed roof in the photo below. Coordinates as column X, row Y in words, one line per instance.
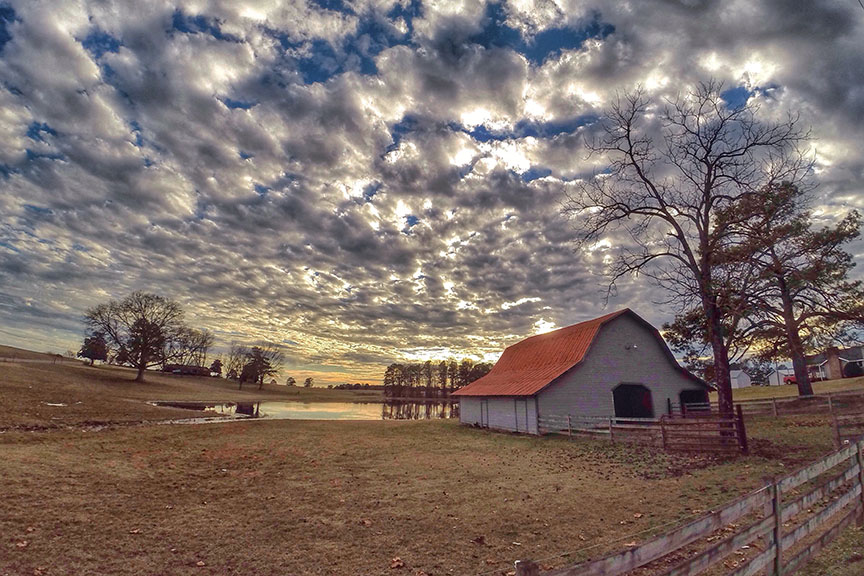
column 528, row 366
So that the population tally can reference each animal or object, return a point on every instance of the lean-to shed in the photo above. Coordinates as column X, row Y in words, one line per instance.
column 615, row 365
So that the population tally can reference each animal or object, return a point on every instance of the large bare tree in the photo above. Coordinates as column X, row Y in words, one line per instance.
column 137, row 328
column 668, row 170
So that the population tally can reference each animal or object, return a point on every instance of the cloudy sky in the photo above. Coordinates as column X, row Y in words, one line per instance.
column 361, row 181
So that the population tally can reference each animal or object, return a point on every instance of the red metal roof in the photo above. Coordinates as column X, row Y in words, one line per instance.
column 528, row 366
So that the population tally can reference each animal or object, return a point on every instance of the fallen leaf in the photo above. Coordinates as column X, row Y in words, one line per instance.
column 366, row 522
column 630, row 544
column 397, row 563
column 200, row 563
column 479, row 540
column 22, row 544
column 637, row 515
column 30, row 529
column 135, row 531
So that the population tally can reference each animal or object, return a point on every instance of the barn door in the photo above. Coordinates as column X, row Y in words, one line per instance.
column 484, row 413
column 521, row 413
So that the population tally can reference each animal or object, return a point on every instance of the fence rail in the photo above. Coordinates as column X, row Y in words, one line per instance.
column 708, row 433
column 793, row 405
column 825, row 497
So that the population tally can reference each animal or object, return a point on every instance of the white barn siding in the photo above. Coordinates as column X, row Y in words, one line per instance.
column 500, row 412
column 612, row 360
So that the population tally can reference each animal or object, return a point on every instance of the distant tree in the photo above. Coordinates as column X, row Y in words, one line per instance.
column 189, row 346
column 291, row 381
column 261, row 361
column 216, row 366
column 307, row 383
column 95, row 348
column 667, row 173
column 138, row 327
column 237, row 355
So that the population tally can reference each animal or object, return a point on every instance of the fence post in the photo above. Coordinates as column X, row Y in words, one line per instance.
column 611, row 433
column 861, row 480
column 774, row 406
column 838, row 441
column 683, row 410
column 663, row 431
column 777, row 510
column 830, row 404
column 527, row 568
column 742, row 432
column 569, row 427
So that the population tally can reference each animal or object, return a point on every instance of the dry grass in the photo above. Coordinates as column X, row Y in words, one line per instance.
column 109, row 394
column 20, row 353
column 304, row 497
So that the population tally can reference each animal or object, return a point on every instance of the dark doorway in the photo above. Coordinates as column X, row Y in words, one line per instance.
column 693, row 397
column 633, row 401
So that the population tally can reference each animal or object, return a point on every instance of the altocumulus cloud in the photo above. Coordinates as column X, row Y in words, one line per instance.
column 360, row 181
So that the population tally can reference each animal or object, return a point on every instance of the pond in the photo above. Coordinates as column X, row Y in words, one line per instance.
column 389, row 410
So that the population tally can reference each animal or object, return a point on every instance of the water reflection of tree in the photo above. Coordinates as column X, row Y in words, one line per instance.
column 400, row 410
column 248, row 409
column 431, row 379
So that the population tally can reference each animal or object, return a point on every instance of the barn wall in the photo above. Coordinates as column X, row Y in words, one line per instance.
column 469, row 410
column 612, row 359
column 504, row 413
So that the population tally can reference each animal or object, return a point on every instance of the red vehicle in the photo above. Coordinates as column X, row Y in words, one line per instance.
column 790, row 379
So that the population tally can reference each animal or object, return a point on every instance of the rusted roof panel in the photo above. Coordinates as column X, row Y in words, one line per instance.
column 528, row 366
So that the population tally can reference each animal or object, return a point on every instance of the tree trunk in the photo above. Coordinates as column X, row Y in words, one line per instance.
column 721, row 358
column 796, row 348
column 140, row 376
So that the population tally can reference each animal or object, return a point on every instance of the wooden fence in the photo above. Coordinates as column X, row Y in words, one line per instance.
column 773, row 530
column 708, row 433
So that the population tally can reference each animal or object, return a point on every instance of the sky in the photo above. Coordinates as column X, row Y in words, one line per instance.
column 369, row 181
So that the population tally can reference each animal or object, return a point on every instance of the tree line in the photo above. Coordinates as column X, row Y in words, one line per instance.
column 431, row 379
column 714, row 203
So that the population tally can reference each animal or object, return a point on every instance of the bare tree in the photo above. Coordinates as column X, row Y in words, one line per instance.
column 669, row 169
column 189, row 346
column 261, row 361
column 236, row 360
column 137, row 328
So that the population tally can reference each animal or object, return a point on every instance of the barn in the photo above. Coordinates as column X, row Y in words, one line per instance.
column 615, row 365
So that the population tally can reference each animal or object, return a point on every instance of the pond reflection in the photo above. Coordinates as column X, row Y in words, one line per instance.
column 388, row 410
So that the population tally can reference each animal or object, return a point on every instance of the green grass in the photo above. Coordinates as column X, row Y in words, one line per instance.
column 790, row 390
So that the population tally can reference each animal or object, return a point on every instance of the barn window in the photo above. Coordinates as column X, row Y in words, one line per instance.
column 694, row 397
column 633, row 401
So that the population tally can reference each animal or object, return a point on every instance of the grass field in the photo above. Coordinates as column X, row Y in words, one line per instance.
column 305, row 497
column 789, row 390
column 108, row 394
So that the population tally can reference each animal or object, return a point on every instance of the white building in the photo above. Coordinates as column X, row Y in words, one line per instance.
column 615, row 365
column 740, row 378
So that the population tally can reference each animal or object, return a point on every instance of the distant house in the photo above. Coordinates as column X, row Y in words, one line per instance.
column 740, row 378
column 831, row 364
column 615, row 365
column 776, row 378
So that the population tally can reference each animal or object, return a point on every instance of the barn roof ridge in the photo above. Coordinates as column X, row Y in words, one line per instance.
column 528, row 366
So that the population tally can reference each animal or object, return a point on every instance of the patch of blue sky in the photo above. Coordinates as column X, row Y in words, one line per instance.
column 9, row 246
column 7, row 170
column 200, row 24
column 36, row 129
column 321, row 60
column 535, row 173
column 136, row 130
column 371, row 190
column 33, row 155
column 736, row 98
column 246, row 155
column 98, row 43
column 545, row 44
column 262, row 190
column 79, row 247
column 37, row 210
column 7, row 17
column 238, row 104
